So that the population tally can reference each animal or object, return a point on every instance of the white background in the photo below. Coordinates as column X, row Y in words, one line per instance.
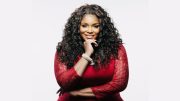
column 30, row 30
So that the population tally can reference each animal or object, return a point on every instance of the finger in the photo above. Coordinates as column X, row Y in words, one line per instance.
column 95, row 43
column 88, row 41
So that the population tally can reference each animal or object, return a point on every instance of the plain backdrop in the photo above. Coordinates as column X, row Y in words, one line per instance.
column 30, row 31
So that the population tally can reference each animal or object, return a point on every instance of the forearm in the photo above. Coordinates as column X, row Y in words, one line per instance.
column 80, row 66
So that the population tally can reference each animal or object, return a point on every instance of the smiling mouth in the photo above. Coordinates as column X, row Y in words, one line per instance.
column 89, row 36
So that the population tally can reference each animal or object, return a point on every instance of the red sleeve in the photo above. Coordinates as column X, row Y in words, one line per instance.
column 66, row 78
column 119, row 80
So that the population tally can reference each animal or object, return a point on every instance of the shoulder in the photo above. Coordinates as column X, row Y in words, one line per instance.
column 121, row 47
column 121, row 50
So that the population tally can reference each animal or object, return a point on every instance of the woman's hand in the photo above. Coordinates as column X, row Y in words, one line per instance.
column 86, row 92
column 88, row 47
column 74, row 93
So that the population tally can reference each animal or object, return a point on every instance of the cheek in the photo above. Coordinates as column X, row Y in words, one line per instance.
column 97, row 31
column 82, row 35
column 82, row 30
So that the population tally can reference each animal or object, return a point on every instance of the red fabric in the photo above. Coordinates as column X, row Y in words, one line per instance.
column 106, row 83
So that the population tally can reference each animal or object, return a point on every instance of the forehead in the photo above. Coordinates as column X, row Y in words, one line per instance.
column 90, row 19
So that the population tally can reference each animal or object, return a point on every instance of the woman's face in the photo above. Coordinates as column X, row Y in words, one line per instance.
column 89, row 27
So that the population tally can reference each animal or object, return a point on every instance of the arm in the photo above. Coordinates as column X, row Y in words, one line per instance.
column 68, row 78
column 120, row 77
column 117, row 84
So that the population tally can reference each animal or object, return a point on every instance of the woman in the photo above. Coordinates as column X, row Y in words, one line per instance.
column 90, row 61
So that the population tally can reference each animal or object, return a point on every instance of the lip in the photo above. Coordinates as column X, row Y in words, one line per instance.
column 89, row 36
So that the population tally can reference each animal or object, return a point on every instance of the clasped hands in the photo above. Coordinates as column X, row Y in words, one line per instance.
column 86, row 92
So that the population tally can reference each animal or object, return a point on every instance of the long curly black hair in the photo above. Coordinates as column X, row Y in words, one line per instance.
column 71, row 45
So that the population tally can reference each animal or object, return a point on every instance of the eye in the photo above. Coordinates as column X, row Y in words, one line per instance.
column 96, row 26
column 84, row 25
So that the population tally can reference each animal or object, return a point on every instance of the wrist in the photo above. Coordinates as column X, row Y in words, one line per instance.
column 87, row 57
column 89, row 54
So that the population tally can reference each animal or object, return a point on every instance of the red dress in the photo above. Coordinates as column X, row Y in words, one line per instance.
column 106, row 83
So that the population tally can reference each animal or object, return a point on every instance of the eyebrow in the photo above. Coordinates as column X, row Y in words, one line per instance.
column 92, row 24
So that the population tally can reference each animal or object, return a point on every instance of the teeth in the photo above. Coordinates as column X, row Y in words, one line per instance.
column 89, row 36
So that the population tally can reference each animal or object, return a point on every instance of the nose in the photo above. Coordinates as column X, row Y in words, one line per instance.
column 90, row 30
